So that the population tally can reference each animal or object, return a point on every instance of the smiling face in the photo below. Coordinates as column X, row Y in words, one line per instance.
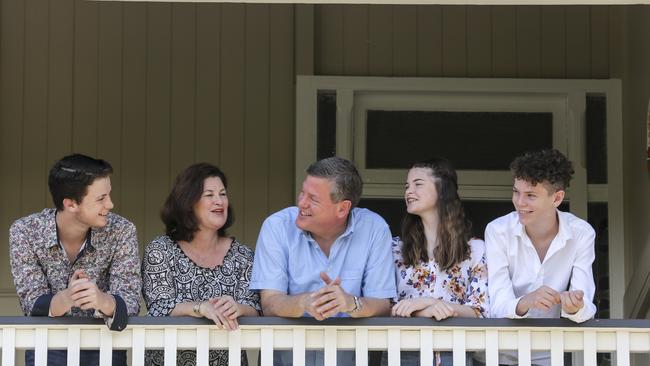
column 421, row 194
column 317, row 213
column 96, row 204
column 535, row 203
column 211, row 210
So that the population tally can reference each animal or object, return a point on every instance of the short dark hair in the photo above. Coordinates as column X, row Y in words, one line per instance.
column 178, row 211
column 548, row 165
column 71, row 176
column 347, row 183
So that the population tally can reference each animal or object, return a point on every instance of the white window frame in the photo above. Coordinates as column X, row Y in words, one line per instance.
column 564, row 98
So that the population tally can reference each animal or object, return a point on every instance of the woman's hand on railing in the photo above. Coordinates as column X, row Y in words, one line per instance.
column 405, row 308
column 215, row 309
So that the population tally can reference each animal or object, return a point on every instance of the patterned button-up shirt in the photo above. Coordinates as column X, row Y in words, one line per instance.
column 41, row 268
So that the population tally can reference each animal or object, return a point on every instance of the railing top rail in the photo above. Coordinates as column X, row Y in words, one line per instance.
column 339, row 322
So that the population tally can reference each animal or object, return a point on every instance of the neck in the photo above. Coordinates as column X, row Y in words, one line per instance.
column 430, row 222
column 205, row 239
column 71, row 231
column 327, row 239
column 544, row 230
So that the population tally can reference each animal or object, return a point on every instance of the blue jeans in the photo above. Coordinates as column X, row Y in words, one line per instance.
column 60, row 358
column 412, row 358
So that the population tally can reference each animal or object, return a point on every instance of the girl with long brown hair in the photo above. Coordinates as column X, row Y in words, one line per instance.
column 441, row 270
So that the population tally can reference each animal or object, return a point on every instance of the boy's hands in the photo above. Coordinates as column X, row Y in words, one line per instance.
column 544, row 298
column 572, row 301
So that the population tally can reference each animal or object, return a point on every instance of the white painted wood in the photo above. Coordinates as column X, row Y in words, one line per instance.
column 361, row 346
column 344, row 132
column 137, row 353
column 491, row 347
column 8, row 346
column 202, row 346
column 459, row 347
column 622, row 348
column 523, row 340
column 426, row 347
column 170, row 346
column 40, row 346
column 234, row 347
column 330, row 346
column 589, row 347
column 266, row 346
column 418, row 2
column 393, row 347
column 105, row 347
column 557, row 348
column 299, row 339
column 74, row 340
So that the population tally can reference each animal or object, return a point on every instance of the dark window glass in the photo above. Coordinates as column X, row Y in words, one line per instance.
column 596, row 120
column 326, row 124
column 598, row 219
column 472, row 140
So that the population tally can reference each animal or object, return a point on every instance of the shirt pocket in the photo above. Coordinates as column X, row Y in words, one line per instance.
column 351, row 281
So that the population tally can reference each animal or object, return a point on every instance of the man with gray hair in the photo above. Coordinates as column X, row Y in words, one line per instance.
column 325, row 257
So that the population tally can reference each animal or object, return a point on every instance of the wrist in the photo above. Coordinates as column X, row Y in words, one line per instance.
column 108, row 304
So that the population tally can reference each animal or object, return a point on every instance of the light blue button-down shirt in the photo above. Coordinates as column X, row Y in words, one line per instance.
column 289, row 260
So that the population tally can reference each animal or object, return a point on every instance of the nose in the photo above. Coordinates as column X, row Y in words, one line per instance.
column 302, row 201
column 109, row 203
column 519, row 200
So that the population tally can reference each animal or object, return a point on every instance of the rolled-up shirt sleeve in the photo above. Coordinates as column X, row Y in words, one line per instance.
column 31, row 283
column 270, row 270
column 503, row 302
column 582, row 277
column 379, row 274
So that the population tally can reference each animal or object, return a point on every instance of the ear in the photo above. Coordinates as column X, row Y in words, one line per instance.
column 558, row 197
column 343, row 208
column 70, row 204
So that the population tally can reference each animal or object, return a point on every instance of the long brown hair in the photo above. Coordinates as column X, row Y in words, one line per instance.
column 453, row 227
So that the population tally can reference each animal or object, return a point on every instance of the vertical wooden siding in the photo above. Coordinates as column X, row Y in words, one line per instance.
column 151, row 88
column 463, row 41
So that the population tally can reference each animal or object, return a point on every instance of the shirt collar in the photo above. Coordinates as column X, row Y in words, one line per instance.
column 563, row 232
column 54, row 239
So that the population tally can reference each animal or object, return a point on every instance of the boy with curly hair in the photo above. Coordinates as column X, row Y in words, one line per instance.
column 539, row 258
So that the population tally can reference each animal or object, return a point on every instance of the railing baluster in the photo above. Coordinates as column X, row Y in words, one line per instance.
column 105, row 347
column 622, row 348
column 491, row 347
column 40, row 347
column 8, row 346
column 74, row 340
column 170, row 346
column 330, row 346
column 589, row 344
column 361, row 346
column 266, row 346
column 523, row 339
column 202, row 346
column 137, row 355
column 426, row 347
column 234, row 347
column 459, row 347
column 557, row 348
column 394, row 345
column 298, row 347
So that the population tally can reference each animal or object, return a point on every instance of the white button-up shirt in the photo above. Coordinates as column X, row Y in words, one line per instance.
column 515, row 270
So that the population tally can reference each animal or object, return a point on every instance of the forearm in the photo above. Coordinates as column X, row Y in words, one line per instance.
column 289, row 306
column 247, row 310
column 372, row 307
column 61, row 303
column 465, row 311
column 187, row 309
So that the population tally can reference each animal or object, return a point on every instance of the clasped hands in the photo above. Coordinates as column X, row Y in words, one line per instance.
column 424, row 307
column 223, row 311
column 327, row 301
column 83, row 293
column 545, row 297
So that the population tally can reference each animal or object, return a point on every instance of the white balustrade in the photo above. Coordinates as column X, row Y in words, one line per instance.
column 267, row 335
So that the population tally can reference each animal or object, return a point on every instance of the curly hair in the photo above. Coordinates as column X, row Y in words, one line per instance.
column 454, row 229
column 542, row 166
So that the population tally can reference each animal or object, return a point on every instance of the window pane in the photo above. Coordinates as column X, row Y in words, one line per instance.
column 326, row 124
column 596, row 120
column 598, row 219
column 472, row 140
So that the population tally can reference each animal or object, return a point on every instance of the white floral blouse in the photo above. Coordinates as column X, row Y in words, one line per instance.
column 464, row 284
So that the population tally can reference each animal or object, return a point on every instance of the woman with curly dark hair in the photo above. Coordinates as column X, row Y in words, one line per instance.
column 441, row 271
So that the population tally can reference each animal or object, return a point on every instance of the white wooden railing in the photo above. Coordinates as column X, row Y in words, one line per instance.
column 267, row 334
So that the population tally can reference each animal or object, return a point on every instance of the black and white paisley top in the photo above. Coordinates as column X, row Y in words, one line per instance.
column 170, row 277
